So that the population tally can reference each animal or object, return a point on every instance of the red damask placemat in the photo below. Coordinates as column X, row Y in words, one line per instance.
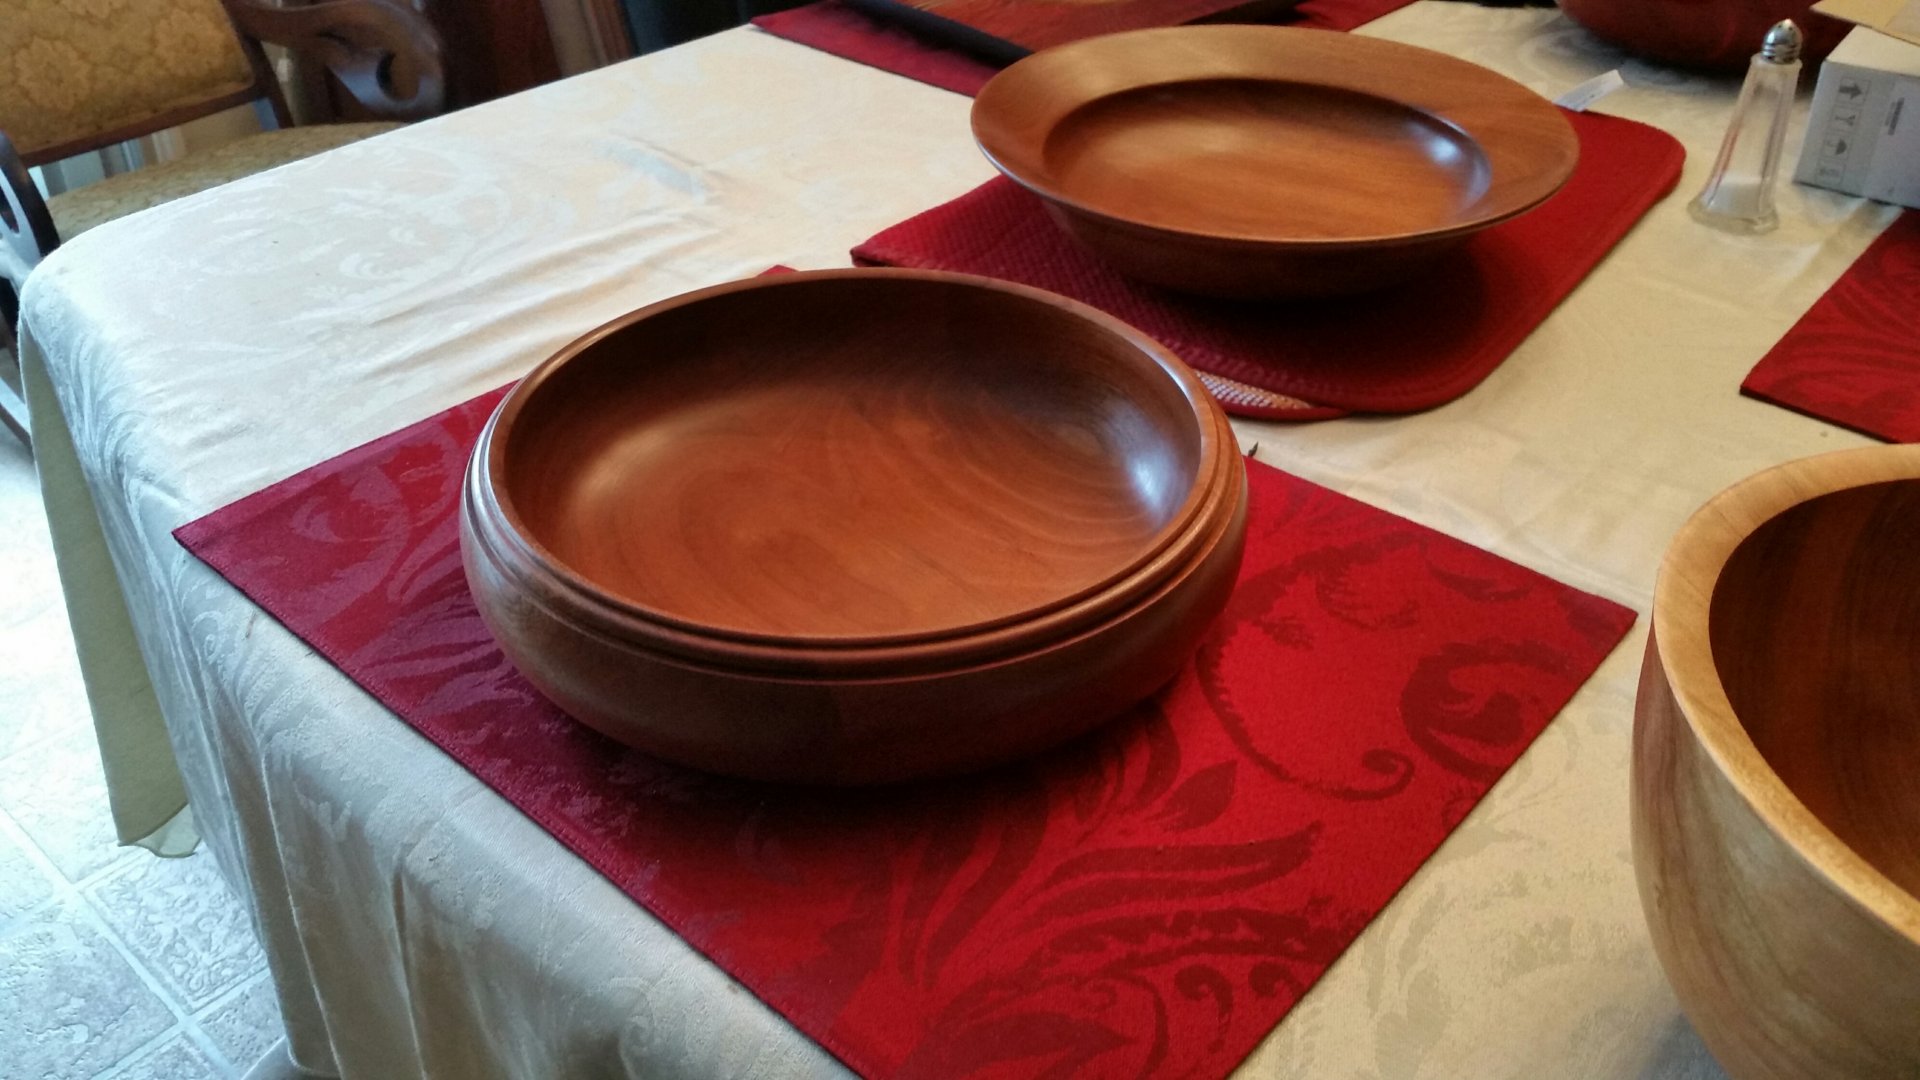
column 1147, row 901
column 1854, row 358
column 833, row 27
column 1402, row 350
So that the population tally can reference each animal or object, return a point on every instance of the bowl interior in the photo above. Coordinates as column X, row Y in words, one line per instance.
column 1274, row 135
column 1815, row 631
column 853, row 456
column 1180, row 153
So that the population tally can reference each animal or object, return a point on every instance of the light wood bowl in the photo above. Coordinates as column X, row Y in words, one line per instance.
column 1260, row 161
column 1776, row 770
column 853, row 526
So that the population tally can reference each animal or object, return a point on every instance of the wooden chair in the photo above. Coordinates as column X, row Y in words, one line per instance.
column 77, row 77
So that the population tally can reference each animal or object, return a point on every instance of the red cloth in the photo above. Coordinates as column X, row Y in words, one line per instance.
column 1854, row 358
column 1147, row 901
column 833, row 27
column 1406, row 349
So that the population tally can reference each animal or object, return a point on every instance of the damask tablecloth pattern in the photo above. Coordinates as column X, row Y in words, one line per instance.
column 417, row 925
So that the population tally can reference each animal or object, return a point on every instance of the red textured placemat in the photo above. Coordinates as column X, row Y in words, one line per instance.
column 1402, row 350
column 1147, row 901
column 833, row 27
column 1854, row 358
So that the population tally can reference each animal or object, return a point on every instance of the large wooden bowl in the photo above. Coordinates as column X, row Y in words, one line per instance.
column 853, row 526
column 1259, row 161
column 1713, row 35
column 1776, row 770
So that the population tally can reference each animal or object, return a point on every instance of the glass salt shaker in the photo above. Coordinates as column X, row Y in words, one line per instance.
column 1739, row 195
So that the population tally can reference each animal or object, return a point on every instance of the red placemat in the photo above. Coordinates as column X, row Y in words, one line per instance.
column 833, row 27
column 1147, row 901
column 1854, row 358
column 1406, row 349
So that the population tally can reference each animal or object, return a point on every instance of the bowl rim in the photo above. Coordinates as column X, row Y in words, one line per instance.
column 1682, row 602
column 1002, row 93
column 1166, row 553
column 879, row 667
column 590, row 612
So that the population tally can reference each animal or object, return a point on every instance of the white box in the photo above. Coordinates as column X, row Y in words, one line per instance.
column 1863, row 137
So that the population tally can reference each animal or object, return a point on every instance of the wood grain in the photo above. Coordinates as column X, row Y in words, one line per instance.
column 828, row 471
column 1776, row 815
column 826, row 506
column 1249, row 161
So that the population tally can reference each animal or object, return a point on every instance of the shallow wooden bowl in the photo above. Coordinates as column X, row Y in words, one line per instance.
column 1258, row 161
column 853, row 526
column 1776, row 769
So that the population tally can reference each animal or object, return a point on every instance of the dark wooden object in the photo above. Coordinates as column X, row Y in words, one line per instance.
column 1776, row 814
column 1256, row 161
column 379, row 50
column 648, row 25
column 381, row 53
column 1006, row 30
column 854, row 526
column 592, row 33
column 490, row 48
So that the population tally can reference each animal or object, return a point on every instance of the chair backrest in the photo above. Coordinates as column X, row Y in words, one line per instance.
column 76, row 75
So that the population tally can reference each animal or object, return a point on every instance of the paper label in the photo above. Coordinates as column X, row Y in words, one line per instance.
column 1587, row 93
column 1863, row 134
column 1895, row 174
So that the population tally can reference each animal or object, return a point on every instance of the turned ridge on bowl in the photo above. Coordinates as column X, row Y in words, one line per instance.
column 1260, row 161
column 1776, row 769
column 853, row 526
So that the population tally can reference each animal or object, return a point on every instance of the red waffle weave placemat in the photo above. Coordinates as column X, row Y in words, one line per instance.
column 1147, row 901
column 1854, row 358
column 833, row 27
column 1402, row 350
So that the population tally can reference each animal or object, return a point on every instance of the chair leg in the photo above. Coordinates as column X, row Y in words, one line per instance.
column 13, row 410
column 27, row 235
column 13, row 415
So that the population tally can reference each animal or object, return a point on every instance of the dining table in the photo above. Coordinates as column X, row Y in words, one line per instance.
column 417, row 924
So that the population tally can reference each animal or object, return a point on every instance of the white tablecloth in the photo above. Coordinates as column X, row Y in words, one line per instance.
column 417, row 925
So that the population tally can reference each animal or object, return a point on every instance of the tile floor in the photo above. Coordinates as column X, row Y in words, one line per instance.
column 113, row 963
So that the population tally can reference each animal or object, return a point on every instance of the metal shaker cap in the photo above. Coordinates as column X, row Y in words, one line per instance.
column 1782, row 44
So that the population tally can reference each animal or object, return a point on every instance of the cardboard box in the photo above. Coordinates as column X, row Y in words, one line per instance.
column 1863, row 137
column 1901, row 18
